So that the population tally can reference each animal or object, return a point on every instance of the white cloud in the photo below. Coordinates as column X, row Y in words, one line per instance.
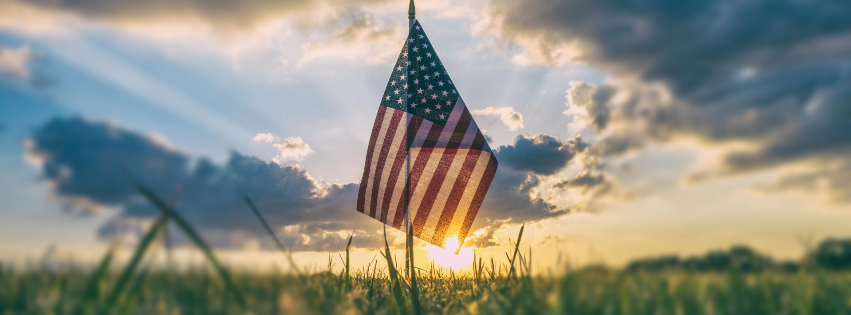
column 14, row 62
column 510, row 118
column 265, row 137
column 292, row 149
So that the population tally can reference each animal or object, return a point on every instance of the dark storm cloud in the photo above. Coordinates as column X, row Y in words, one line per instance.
column 85, row 162
column 772, row 73
column 583, row 182
column 541, row 154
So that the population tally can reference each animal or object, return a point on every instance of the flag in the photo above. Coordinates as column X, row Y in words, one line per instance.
column 451, row 164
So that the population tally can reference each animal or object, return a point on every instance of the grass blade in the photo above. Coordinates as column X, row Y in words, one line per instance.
column 278, row 241
column 395, row 284
column 95, row 280
column 125, row 276
column 196, row 238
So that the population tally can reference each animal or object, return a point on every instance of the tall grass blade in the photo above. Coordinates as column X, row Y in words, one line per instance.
column 125, row 276
column 395, row 284
column 275, row 237
column 196, row 238
column 415, row 290
column 516, row 251
column 95, row 280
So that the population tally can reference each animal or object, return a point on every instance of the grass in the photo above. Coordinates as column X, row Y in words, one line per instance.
column 504, row 287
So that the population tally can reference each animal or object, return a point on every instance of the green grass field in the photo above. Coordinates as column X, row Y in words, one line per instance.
column 751, row 286
column 370, row 291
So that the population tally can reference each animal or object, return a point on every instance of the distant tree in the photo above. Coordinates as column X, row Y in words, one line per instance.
column 833, row 254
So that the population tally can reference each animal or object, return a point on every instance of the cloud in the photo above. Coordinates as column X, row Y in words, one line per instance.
column 85, row 163
column 510, row 118
column 772, row 74
column 264, row 137
column 14, row 62
column 541, row 154
column 307, row 214
column 292, row 149
column 220, row 14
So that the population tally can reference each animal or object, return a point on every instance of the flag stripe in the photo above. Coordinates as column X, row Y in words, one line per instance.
column 382, row 158
column 398, row 149
column 367, row 169
column 397, row 177
column 423, row 209
column 380, row 149
column 479, row 197
column 455, row 195
column 466, row 202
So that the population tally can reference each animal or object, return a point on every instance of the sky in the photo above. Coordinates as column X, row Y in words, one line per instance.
column 624, row 129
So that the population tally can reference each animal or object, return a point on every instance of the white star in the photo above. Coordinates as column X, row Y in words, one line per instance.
column 437, row 74
column 433, row 64
column 415, row 49
column 454, row 92
column 387, row 97
column 448, row 103
column 393, row 82
column 421, row 36
column 413, row 71
column 437, row 106
column 417, row 27
column 442, row 116
column 399, row 68
column 402, row 76
column 399, row 100
column 424, row 100
column 444, row 93
column 414, row 105
column 428, row 55
column 430, row 86
column 420, row 91
column 433, row 96
column 410, row 40
column 427, row 110
column 405, row 54
column 409, row 63
column 425, row 45
column 422, row 67
column 419, row 58
column 440, row 83
column 396, row 91
column 426, row 77
column 406, row 86
column 409, row 95
column 416, row 81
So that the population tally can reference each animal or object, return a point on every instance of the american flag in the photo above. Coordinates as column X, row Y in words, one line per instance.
column 452, row 165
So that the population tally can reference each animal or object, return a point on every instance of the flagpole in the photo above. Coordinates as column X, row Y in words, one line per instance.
column 408, row 241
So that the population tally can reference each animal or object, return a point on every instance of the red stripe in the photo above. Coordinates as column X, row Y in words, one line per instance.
column 366, row 168
column 461, row 130
column 485, row 182
column 385, row 150
column 398, row 163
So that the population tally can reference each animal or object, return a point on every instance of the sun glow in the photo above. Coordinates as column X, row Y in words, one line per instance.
column 446, row 257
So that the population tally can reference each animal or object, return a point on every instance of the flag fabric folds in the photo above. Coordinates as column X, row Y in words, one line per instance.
column 451, row 164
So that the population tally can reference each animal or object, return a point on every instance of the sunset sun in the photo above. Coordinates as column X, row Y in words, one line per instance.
column 445, row 257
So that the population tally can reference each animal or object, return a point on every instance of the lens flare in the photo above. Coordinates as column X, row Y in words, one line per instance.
column 446, row 257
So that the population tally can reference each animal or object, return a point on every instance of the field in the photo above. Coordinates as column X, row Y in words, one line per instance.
column 504, row 285
column 440, row 292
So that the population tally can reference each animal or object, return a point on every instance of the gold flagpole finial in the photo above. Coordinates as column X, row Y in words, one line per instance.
column 411, row 12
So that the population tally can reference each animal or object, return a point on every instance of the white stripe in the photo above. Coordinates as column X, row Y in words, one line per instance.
column 439, row 204
column 467, row 198
column 395, row 147
column 379, row 142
